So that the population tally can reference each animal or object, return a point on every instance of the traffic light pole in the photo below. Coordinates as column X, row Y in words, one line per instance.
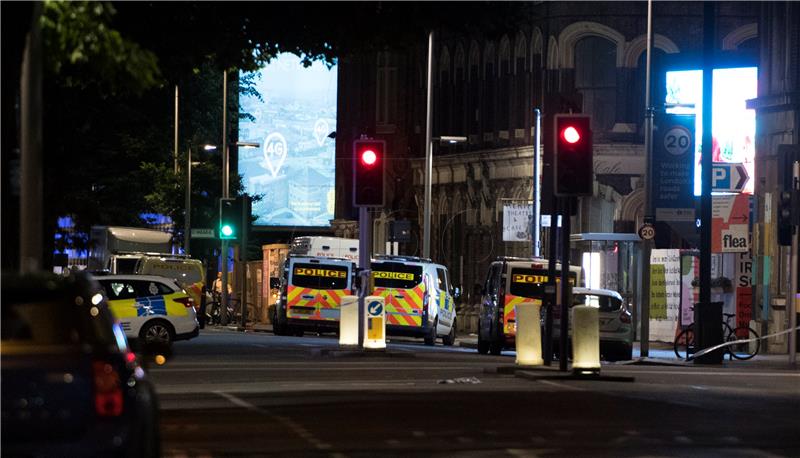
column 791, row 303
column 565, row 286
column 364, row 244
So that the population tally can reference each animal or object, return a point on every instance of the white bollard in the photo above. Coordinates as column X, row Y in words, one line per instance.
column 585, row 338
column 374, row 323
column 529, row 334
column 348, row 321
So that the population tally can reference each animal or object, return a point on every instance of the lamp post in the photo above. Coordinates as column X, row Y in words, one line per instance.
column 224, row 243
column 187, row 228
column 426, row 230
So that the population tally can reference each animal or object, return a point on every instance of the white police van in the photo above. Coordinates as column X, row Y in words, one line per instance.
column 418, row 297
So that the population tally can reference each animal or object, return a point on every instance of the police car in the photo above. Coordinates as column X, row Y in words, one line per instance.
column 418, row 297
column 153, row 309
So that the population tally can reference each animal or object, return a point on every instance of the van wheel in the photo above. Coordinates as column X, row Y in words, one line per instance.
column 430, row 339
column 279, row 327
column 450, row 339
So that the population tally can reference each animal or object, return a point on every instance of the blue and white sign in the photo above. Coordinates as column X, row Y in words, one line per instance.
column 375, row 308
column 291, row 114
column 728, row 177
column 673, row 167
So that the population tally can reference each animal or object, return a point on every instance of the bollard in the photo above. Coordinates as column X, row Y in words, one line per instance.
column 348, row 321
column 585, row 339
column 529, row 334
column 374, row 323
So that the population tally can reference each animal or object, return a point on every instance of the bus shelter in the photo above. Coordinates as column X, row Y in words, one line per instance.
column 610, row 261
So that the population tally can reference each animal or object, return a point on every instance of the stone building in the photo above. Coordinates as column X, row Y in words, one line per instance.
column 586, row 57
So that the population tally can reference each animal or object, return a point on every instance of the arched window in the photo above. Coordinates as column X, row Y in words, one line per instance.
column 443, row 93
column 460, row 92
column 386, row 85
column 488, row 93
column 521, row 98
column 596, row 80
column 504, row 102
column 474, row 90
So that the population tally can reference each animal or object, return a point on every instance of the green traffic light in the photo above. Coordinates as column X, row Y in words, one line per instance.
column 226, row 230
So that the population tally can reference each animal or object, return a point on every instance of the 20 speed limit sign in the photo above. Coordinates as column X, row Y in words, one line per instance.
column 647, row 231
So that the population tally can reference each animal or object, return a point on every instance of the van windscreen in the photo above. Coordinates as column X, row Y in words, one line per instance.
column 530, row 282
column 396, row 275
column 319, row 276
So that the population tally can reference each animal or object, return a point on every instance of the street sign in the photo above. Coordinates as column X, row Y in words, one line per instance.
column 202, row 233
column 730, row 219
column 673, row 167
column 728, row 177
column 647, row 231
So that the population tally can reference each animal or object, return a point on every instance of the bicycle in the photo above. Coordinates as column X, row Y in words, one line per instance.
column 743, row 336
column 213, row 310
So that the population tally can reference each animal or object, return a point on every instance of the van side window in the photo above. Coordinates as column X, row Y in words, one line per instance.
column 441, row 274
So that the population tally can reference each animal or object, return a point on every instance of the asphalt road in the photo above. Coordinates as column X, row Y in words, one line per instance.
column 254, row 394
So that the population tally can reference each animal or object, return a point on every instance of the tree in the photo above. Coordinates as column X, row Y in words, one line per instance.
column 111, row 69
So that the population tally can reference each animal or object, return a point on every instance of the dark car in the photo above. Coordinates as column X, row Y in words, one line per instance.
column 70, row 385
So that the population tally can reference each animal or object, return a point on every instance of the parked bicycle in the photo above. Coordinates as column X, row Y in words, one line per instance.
column 747, row 341
column 214, row 309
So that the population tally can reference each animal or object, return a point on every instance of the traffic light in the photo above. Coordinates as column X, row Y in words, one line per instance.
column 230, row 217
column 788, row 199
column 573, row 156
column 369, row 157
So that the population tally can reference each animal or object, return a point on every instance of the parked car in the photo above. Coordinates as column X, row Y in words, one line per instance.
column 616, row 330
column 152, row 309
column 71, row 386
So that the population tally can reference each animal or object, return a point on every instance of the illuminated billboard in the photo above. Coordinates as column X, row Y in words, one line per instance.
column 733, row 125
column 292, row 118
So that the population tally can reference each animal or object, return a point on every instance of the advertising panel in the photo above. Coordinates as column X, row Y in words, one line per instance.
column 291, row 113
column 733, row 125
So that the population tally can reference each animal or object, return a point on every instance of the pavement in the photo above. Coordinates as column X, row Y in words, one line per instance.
column 659, row 353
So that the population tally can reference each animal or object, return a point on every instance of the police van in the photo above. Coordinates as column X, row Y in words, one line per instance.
column 316, row 275
column 418, row 297
column 509, row 282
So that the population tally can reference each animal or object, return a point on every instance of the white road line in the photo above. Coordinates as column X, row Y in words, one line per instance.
column 704, row 373
column 310, row 369
column 561, row 385
column 295, row 427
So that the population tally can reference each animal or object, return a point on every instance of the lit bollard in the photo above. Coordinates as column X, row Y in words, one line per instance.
column 348, row 321
column 529, row 334
column 585, row 339
column 374, row 323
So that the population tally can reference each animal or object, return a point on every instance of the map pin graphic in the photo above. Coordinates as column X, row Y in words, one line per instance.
column 274, row 153
column 321, row 131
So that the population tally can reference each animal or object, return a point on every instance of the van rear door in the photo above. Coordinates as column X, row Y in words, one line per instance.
column 315, row 288
column 403, row 289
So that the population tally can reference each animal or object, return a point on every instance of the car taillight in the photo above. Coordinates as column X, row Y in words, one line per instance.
column 107, row 390
column 624, row 316
column 186, row 301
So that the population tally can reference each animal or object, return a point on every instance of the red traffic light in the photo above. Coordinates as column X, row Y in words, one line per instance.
column 368, row 157
column 571, row 135
column 368, row 168
column 573, row 172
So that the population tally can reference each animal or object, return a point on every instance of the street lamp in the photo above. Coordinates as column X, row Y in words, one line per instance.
column 426, row 210
column 224, row 242
column 187, row 228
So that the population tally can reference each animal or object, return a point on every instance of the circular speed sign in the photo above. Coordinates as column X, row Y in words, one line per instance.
column 677, row 140
column 647, row 231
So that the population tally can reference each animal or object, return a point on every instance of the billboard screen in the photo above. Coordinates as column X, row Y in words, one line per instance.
column 291, row 117
column 733, row 125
